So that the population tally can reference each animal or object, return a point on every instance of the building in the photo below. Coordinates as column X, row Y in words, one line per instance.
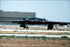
column 14, row 16
column 8, row 15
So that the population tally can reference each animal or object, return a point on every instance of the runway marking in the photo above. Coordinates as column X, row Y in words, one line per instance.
column 38, row 35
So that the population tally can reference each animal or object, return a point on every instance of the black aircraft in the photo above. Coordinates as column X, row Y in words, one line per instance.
column 35, row 21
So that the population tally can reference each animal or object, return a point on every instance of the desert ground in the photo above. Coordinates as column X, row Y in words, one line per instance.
column 45, row 33
column 30, row 42
column 22, row 42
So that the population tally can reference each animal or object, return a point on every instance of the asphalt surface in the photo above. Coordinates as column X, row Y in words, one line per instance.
column 33, row 30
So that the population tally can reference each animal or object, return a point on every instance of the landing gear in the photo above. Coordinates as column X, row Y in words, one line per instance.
column 23, row 25
column 50, row 26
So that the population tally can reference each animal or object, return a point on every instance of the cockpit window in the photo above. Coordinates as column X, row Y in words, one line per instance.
column 31, row 18
column 34, row 18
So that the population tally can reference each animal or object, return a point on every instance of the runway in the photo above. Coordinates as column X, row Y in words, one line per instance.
column 24, row 30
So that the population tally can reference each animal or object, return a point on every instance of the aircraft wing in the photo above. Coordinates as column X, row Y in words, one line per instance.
column 23, row 22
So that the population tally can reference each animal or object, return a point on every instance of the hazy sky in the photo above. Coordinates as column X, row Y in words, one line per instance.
column 51, row 10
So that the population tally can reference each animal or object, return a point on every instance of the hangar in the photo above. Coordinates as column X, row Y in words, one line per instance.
column 15, row 15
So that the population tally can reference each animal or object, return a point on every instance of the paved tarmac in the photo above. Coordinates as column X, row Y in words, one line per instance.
column 24, row 30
